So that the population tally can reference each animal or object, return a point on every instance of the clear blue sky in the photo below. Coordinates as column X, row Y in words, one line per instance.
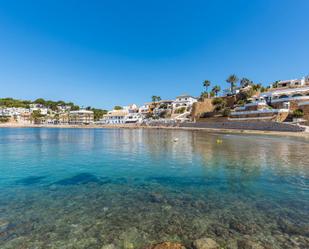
column 106, row 53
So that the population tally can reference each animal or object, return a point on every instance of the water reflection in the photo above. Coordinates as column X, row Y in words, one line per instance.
column 85, row 188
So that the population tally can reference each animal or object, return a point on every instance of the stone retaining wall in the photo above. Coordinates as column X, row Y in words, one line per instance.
column 248, row 125
column 305, row 109
column 200, row 107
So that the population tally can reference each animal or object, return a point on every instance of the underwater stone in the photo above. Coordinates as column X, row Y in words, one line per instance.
column 82, row 178
column 205, row 243
column 248, row 244
column 3, row 225
column 166, row 245
column 110, row 246
column 30, row 180
column 156, row 197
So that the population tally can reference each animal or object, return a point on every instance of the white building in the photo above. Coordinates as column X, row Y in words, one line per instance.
column 293, row 83
column 131, row 108
column 144, row 109
column 43, row 110
column 64, row 108
column 114, row 117
column 184, row 101
column 286, row 94
column 128, row 114
column 81, row 117
column 12, row 111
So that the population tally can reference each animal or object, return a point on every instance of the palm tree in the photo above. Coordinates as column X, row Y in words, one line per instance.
column 155, row 98
column 245, row 82
column 206, row 84
column 275, row 84
column 216, row 89
column 232, row 79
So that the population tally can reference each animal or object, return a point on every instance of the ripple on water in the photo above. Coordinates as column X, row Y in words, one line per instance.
column 79, row 189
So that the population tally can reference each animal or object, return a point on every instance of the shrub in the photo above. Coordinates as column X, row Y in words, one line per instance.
column 298, row 113
column 180, row 110
column 204, row 95
column 226, row 112
column 4, row 119
column 240, row 102
column 217, row 101
column 117, row 107
column 219, row 104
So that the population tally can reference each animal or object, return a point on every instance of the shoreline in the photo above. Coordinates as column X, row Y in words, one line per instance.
column 304, row 134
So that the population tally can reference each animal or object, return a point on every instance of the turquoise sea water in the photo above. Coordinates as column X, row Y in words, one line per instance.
column 87, row 188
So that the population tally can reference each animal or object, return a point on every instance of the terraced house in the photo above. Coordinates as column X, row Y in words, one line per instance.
column 81, row 117
column 279, row 102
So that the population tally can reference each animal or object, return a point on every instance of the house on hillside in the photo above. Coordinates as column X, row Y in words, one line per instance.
column 304, row 81
column 183, row 101
column 128, row 114
column 278, row 102
column 163, row 107
column 81, row 117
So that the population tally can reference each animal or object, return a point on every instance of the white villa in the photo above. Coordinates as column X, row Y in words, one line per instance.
column 278, row 102
column 81, row 117
column 293, row 83
column 183, row 101
column 286, row 94
column 163, row 106
column 131, row 108
column 114, row 117
column 144, row 109
column 128, row 114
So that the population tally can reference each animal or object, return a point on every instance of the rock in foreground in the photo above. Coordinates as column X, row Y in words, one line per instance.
column 205, row 243
column 166, row 245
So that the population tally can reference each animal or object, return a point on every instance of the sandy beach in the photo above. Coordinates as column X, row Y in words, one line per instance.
column 134, row 126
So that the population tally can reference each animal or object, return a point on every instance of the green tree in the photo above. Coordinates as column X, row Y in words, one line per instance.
column 117, row 107
column 216, row 89
column 10, row 102
column 155, row 98
column 40, row 101
column 36, row 116
column 299, row 113
column 275, row 84
column 232, row 80
column 256, row 87
column 219, row 104
column 98, row 113
column 75, row 108
column 206, row 84
column 245, row 82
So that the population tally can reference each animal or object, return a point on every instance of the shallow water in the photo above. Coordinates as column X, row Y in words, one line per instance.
column 86, row 188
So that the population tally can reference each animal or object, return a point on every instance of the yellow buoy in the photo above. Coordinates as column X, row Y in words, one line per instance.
column 219, row 141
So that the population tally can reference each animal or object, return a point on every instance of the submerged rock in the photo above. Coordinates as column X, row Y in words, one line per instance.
column 205, row 243
column 82, row 178
column 166, row 245
column 30, row 180
column 109, row 246
column 3, row 225
column 156, row 198
column 248, row 244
